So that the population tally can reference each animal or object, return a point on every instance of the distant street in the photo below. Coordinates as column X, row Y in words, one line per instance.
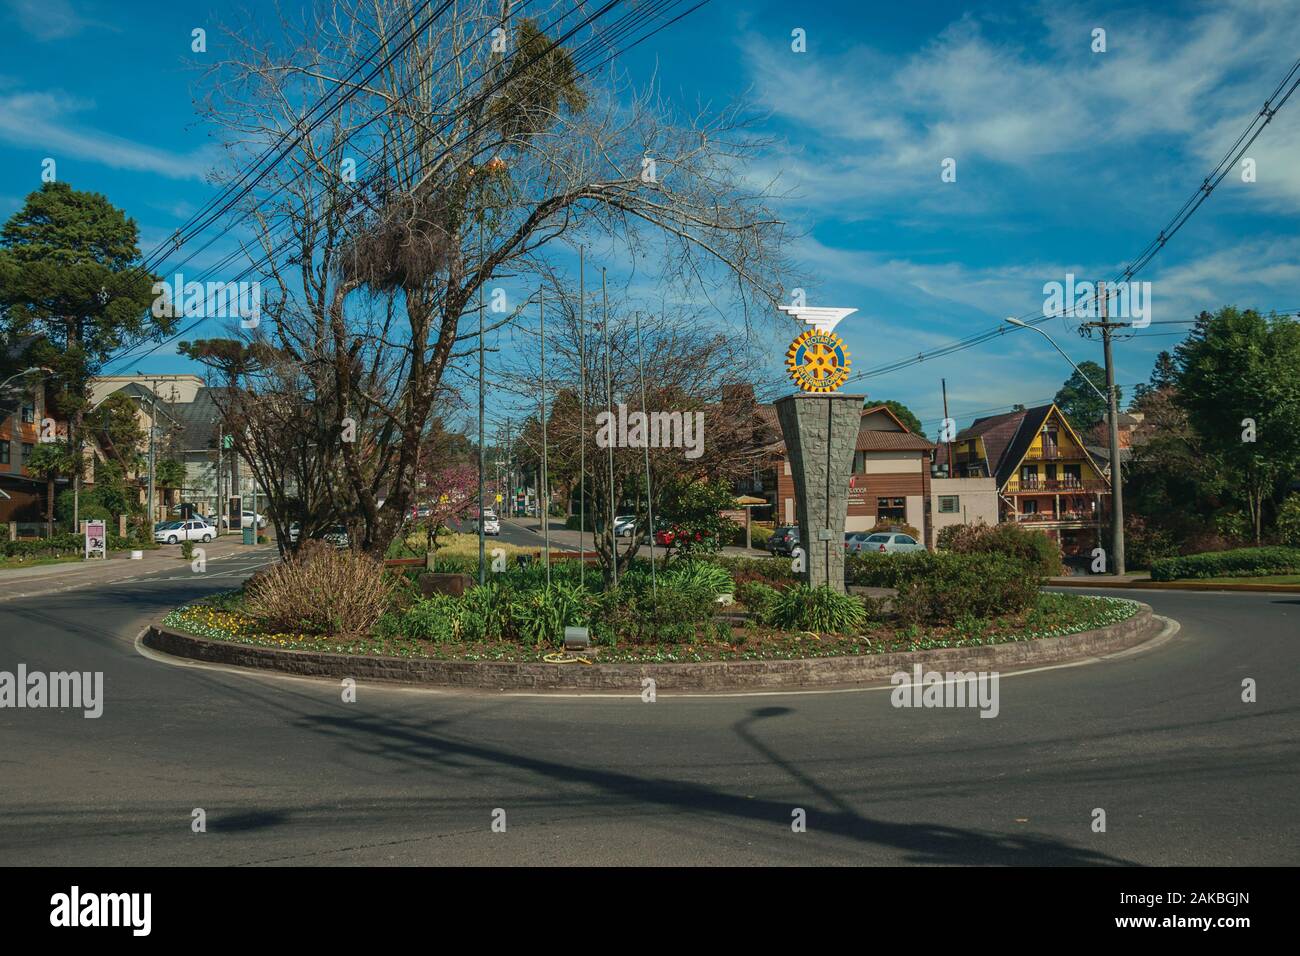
column 288, row 773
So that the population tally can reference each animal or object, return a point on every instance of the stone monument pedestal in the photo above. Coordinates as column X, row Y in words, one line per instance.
column 821, row 433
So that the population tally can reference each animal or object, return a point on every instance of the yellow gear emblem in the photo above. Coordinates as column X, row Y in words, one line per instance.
column 818, row 361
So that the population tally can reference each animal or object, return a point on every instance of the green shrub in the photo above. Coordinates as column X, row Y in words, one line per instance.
column 1146, row 543
column 1242, row 562
column 539, row 617
column 58, row 545
column 438, row 618
column 966, row 587
column 773, row 571
column 702, row 574
column 1030, row 546
column 873, row 569
column 820, row 609
column 187, row 550
column 672, row 613
column 485, row 613
column 1288, row 521
column 455, row 565
column 758, row 598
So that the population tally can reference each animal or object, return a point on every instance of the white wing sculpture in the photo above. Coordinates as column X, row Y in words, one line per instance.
column 819, row 317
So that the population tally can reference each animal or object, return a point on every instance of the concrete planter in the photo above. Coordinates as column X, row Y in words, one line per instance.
column 707, row 676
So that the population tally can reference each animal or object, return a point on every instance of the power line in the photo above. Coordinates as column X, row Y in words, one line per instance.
column 1271, row 106
column 620, row 29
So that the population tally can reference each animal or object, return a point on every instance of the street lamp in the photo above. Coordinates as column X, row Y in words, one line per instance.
column 1116, row 475
column 27, row 371
column 1034, row 328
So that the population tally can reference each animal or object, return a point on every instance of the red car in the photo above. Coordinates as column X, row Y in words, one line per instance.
column 666, row 536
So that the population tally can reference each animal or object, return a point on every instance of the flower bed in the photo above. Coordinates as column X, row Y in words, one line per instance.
column 1053, row 615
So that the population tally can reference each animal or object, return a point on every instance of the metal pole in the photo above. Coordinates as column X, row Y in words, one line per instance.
column 1116, row 471
column 609, row 403
column 217, row 510
column 153, row 431
column 582, row 430
column 482, row 542
column 645, row 444
column 546, row 475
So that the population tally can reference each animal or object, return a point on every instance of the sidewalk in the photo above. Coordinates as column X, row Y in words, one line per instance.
column 1143, row 582
column 47, row 578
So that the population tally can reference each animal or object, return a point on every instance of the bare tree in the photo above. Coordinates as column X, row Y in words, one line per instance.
column 702, row 424
column 475, row 159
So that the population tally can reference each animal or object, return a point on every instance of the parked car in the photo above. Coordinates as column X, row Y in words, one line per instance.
column 851, row 539
column 890, row 542
column 336, row 535
column 246, row 520
column 173, row 532
column 666, row 535
column 625, row 526
column 784, row 540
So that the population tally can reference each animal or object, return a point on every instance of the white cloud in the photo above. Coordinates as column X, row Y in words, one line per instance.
column 43, row 121
column 866, row 127
column 49, row 19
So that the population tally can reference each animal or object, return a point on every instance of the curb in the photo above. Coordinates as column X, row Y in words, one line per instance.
column 1171, row 585
column 706, row 676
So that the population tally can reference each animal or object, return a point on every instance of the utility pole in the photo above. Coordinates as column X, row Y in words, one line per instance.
column 545, row 476
column 482, row 542
column 649, row 490
column 217, row 510
column 948, row 440
column 609, row 401
column 582, row 428
column 1116, row 471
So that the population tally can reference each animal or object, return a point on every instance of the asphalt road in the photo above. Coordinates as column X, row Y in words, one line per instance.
column 287, row 773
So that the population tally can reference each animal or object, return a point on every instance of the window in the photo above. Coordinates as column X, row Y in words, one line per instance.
column 895, row 511
column 859, row 462
column 904, row 539
column 28, row 448
column 4, row 451
column 1031, row 507
column 29, row 413
column 949, row 504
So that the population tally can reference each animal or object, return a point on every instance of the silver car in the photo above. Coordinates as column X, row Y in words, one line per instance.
column 885, row 542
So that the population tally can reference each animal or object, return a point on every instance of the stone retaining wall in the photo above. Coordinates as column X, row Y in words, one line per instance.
column 707, row 676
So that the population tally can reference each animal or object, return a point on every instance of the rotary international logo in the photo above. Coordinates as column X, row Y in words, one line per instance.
column 817, row 360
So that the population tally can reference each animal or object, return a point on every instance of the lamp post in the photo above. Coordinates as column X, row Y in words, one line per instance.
column 27, row 371
column 1116, row 474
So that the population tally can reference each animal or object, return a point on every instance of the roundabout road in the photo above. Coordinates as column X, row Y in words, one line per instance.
column 287, row 773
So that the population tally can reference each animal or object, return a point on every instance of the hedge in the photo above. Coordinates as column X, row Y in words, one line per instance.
column 872, row 569
column 975, row 586
column 1242, row 562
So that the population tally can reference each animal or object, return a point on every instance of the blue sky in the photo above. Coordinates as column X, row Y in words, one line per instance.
column 1068, row 161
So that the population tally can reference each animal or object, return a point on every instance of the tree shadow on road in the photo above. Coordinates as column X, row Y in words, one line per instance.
column 403, row 740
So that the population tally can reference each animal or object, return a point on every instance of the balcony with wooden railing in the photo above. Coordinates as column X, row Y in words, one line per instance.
column 1055, row 453
column 1078, row 518
column 1032, row 486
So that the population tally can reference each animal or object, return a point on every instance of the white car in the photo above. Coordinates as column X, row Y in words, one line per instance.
column 246, row 520
column 173, row 532
column 885, row 542
column 624, row 525
column 491, row 524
